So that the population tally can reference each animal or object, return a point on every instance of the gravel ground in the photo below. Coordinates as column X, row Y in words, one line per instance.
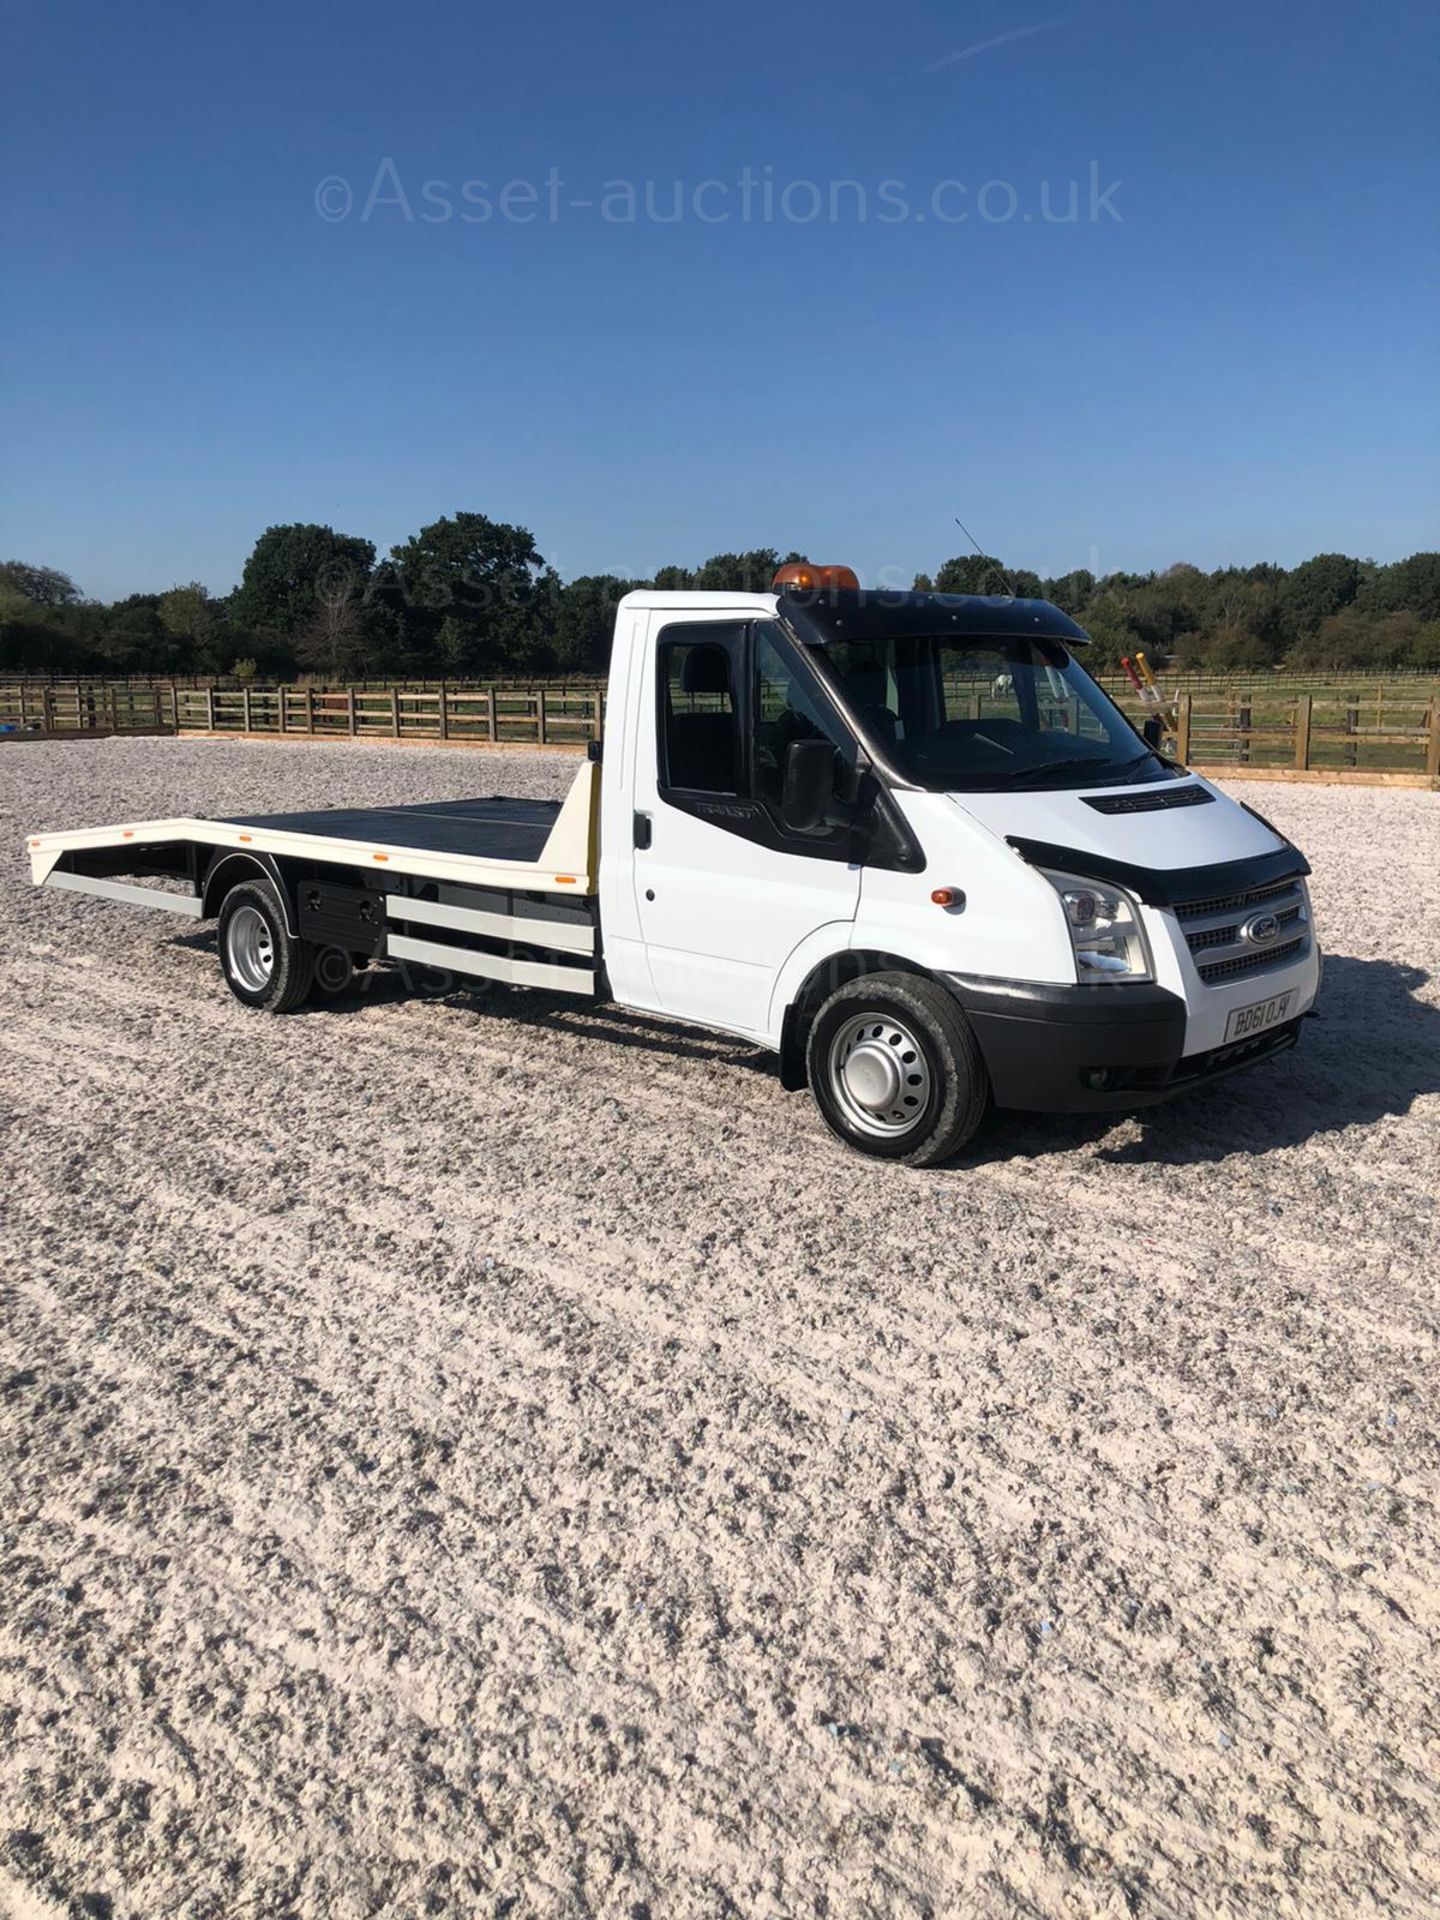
column 469, row 1465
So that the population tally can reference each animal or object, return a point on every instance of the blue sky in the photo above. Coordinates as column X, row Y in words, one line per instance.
column 1241, row 366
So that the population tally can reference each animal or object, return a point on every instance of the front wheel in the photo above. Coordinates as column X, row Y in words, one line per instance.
column 895, row 1070
column 265, row 965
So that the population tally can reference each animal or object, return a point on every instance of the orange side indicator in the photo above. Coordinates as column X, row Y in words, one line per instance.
column 379, row 856
column 948, row 897
column 565, row 880
column 246, row 838
column 127, row 833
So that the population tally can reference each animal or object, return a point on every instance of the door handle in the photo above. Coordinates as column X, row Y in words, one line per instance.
column 643, row 828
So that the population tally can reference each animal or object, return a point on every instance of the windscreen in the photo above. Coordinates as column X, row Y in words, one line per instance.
column 966, row 712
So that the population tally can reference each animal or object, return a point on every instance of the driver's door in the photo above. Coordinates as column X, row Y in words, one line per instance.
column 724, row 892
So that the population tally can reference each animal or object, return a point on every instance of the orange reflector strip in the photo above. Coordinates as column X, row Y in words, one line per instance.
column 379, row 856
column 127, row 833
column 246, row 839
column 565, row 880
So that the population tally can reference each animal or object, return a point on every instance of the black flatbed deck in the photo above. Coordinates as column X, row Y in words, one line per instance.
column 493, row 829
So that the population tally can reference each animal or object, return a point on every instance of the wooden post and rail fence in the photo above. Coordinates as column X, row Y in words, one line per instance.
column 562, row 714
column 1386, row 730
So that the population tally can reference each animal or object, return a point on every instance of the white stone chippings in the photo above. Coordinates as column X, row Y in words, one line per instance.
column 467, row 1464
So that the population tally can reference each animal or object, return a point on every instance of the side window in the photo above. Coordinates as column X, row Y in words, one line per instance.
column 870, row 680
column 1061, row 710
column 786, row 710
column 699, row 721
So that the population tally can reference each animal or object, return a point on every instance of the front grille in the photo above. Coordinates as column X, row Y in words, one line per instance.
column 1215, row 929
column 1225, row 936
column 1217, row 971
column 1151, row 802
column 1234, row 902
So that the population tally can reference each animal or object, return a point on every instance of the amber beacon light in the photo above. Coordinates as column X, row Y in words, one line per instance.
column 805, row 578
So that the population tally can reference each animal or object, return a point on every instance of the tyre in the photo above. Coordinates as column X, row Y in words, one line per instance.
column 265, row 965
column 895, row 1070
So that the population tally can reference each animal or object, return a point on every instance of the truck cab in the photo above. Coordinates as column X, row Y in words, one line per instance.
column 902, row 839
column 906, row 840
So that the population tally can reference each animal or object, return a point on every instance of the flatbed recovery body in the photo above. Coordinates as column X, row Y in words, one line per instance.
column 494, row 888
column 902, row 840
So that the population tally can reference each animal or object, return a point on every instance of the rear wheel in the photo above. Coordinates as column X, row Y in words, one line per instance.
column 895, row 1070
column 264, row 964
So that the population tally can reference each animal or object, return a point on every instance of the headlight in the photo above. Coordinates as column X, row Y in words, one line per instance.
column 1105, row 929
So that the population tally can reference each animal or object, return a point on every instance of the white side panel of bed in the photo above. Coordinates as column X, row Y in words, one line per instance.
column 560, row 936
column 121, row 890
column 490, row 966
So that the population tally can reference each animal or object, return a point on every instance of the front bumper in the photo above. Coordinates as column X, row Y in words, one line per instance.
column 1094, row 1049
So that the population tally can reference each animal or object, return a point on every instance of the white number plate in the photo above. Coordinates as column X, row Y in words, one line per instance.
column 1245, row 1022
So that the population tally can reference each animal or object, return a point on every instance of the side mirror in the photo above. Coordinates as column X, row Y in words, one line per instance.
column 809, row 789
column 1153, row 731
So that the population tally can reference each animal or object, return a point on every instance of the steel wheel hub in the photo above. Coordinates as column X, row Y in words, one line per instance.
column 880, row 1075
column 250, row 948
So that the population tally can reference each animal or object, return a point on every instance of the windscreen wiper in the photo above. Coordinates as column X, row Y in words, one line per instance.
column 1077, row 763
column 1105, row 770
column 1129, row 766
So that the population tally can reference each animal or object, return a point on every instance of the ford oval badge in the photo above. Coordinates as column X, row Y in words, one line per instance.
column 1260, row 930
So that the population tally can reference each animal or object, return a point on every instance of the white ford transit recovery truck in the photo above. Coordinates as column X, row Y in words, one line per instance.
column 902, row 839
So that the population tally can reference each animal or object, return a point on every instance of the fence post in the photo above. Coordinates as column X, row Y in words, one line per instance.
column 309, row 708
column 107, row 707
column 597, row 715
column 245, row 709
column 1304, row 703
column 1352, row 726
column 493, row 727
column 1182, row 728
column 350, row 707
column 540, row 733
column 444, row 714
column 1242, row 722
column 1432, row 745
column 395, row 713
column 209, row 709
column 47, row 710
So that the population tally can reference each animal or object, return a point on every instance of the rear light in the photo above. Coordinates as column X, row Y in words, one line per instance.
column 803, row 578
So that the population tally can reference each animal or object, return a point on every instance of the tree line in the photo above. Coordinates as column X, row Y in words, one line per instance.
column 470, row 597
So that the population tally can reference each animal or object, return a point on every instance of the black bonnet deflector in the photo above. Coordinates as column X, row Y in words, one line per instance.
column 1168, row 886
